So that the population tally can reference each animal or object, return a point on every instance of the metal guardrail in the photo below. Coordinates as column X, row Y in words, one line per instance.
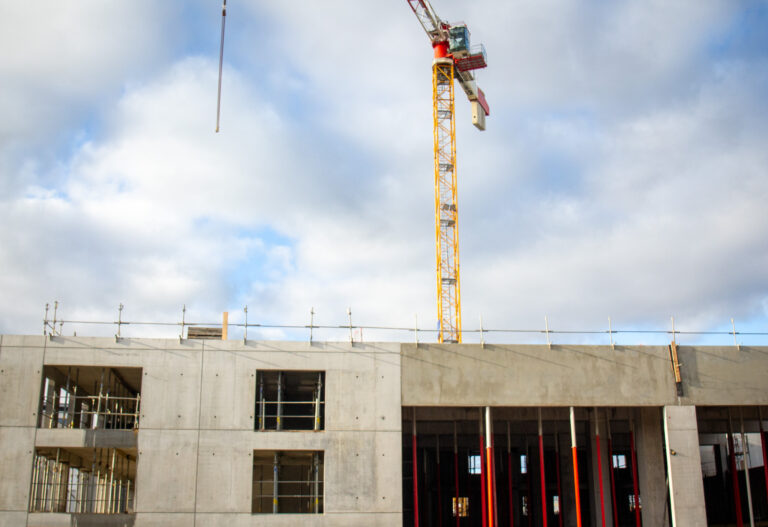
column 414, row 333
column 90, row 412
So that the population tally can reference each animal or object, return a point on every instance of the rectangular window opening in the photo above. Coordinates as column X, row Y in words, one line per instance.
column 619, row 461
column 287, row 481
column 474, row 464
column 524, row 464
column 90, row 397
column 83, row 481
column 290, row 400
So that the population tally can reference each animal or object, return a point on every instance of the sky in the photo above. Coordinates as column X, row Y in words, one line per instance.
column 623, row 172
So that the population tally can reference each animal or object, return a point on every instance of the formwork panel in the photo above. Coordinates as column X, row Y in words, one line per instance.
column 166, row 471
column 15, row 467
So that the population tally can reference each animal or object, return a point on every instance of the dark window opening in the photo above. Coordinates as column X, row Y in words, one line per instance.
column 288, row 482
column 290, row 400
column 90, row 397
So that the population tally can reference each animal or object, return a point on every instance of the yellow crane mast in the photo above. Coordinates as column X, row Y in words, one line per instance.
column 454, row 60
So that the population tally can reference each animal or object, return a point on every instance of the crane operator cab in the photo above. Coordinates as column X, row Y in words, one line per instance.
column 458, row 41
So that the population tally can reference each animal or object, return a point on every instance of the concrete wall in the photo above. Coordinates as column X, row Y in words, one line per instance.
column 586, row 376
column 196, row 438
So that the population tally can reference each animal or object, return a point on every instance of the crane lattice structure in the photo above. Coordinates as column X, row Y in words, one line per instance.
column 454, row 59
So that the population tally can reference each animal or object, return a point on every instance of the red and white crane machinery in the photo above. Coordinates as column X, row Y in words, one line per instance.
column 454, row 59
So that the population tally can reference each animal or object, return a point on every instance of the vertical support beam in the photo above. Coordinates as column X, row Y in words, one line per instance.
column 511, row 502
column 745, row 464
column 316, row 483
column 635, row 478
column 262, row 405
column 489, row 463
column 686, row 485
column 279, row 400
column 415, row 474
column 597, row 469
column 275, row 483
column 439, row 485
column 575, row 467
column 483, row 475
column 456, row 472
column 614, row 509
column 542, row 472
column 734, row 474
column 318, row 400
column 559, row 481
column 765, row 447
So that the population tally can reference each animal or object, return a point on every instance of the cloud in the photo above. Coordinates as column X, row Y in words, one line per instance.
column 622, row 173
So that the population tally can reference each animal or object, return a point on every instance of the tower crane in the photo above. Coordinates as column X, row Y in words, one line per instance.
column 453, row 59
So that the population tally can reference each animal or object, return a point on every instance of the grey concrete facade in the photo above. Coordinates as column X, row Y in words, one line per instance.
column 196, row 436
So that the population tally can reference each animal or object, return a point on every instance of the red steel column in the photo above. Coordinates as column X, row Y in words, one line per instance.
column 489, row 463
column 599, row 464
column 415, row 475
column 542, row 474
column 635, row 482
column 456, row 472
column 765, row 448
column 483, row 489
column 734, row 475
column 509, row 478
column 559, row 482
column 575, row 468
column 439, row 489
column 613, row 479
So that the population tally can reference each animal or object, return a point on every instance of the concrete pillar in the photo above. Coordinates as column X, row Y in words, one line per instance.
column 597, row 517
column 650, row 460
column 686, row 485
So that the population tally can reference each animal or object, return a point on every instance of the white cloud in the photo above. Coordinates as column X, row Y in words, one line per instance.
column 622, row 173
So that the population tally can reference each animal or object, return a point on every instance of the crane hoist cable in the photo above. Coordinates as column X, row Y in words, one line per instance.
column 221, row 61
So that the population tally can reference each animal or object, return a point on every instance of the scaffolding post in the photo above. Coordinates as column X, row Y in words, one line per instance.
column 509, row 478
column 559, row 481
column 610, row 466
column 316, row 487
column 415, row 473
column 599, row 466
column 575, row 466
column 318, row 399
column 542, row 471
column 439, row 486
column 279, row 400
column 483, row 475
column 635, row 480
column 489, row 458
column 734, row 474
column 745, row 464
column 275, row 471
column 765, row 447
column 456, row 473
column 262, row 406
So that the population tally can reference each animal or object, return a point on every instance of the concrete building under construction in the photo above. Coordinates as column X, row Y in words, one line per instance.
column 188, row 432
